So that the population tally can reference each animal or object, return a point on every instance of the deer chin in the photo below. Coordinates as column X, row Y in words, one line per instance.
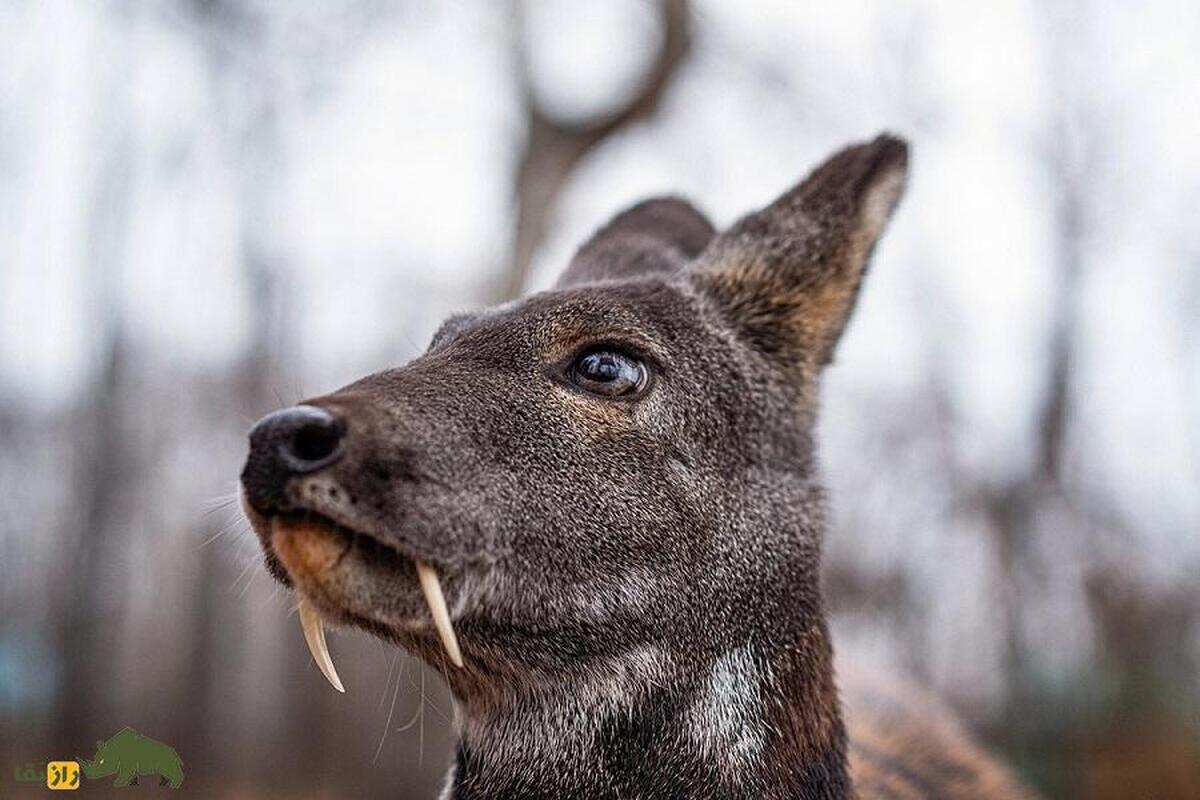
column 310, row 549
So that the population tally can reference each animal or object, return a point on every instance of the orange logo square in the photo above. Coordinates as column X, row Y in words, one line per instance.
column 62, row 775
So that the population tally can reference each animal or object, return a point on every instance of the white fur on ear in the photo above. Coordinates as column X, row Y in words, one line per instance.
column 881, row 200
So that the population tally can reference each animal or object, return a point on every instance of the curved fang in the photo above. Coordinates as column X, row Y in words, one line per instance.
column 314, row 637
column 432, row 588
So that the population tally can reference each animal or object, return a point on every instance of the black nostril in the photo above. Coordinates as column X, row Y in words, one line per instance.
column 304, row 438
column 315, row 442
column 290, row 442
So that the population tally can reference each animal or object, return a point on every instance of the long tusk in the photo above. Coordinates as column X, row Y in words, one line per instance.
column 314, row 637
column 432, row 588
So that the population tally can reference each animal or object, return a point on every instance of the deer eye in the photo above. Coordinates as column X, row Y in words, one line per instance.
column 607, row 372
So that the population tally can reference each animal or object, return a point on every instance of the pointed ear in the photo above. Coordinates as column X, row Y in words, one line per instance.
column 655, row 237
column 787, row 276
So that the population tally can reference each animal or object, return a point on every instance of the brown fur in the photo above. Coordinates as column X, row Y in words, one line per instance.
column 904, row 744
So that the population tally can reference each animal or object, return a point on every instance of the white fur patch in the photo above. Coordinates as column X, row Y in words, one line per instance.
column 881, row 201
column 557, row 731
column 728, row 718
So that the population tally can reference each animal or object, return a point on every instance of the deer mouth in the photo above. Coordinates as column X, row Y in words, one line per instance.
column 312, row 547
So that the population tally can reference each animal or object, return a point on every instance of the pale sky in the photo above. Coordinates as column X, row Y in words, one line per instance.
column 390, row 195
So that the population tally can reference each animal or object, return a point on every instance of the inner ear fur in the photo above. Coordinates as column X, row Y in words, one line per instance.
column 654, row 237
column 787, row 276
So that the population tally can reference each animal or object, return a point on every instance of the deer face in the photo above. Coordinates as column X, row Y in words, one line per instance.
column 622, row 461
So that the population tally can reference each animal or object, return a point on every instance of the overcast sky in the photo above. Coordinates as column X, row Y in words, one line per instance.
column 134, row 158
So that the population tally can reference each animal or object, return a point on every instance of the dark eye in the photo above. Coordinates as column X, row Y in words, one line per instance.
column 607, row 372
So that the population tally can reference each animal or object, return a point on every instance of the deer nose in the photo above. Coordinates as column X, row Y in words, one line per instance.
column 285, row 444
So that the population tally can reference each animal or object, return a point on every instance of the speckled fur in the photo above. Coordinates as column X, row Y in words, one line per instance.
column 634, row 582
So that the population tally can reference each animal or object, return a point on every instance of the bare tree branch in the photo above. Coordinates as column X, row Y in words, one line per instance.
column 554, row 147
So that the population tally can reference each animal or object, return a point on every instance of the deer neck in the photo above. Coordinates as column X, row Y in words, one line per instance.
column 759, row 718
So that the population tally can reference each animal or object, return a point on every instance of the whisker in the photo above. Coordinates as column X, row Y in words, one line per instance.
column 222, row 507
column 245, row 570
column 416, row 714
column 233, row 492
column 220, row 501
column 425, row 699
column 229, row 527
column 249, row 583
column 391, row 710
column 388, row 681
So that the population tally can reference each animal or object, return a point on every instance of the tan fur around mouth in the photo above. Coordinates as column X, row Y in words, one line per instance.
column 308, row 550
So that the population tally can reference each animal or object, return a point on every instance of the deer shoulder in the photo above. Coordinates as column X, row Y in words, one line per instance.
column 905, row 743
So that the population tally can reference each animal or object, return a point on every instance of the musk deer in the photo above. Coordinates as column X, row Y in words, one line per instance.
column 597, row 512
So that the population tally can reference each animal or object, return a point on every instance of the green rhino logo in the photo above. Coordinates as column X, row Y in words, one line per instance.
column 128, row 754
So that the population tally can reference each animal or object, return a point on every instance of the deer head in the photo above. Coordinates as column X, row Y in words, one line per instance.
column 610, row 490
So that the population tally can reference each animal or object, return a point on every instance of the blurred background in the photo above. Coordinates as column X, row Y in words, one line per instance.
column 213, row 208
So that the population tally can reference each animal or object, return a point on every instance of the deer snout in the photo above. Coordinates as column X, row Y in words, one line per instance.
column 285, row 444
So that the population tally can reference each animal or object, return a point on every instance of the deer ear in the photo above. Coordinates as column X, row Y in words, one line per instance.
column 655, row 237
column 787, row 276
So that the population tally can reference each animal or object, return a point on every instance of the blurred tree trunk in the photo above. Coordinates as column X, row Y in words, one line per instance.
column 1015, row 509
column 555, row 147
column 244, row 83
column 246, row 71
column 104, row 466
